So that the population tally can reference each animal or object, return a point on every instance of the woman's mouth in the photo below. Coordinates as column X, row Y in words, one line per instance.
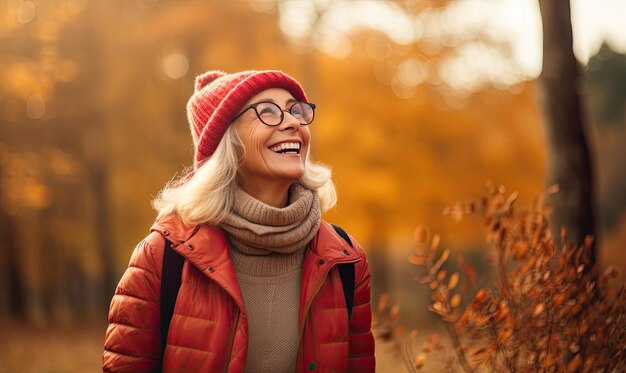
column 286, row 148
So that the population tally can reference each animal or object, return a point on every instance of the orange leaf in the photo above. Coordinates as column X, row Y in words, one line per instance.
column 434, row 243
column 442, row 259
column 441, row 275
column 455, row 301
column 574, row 364
column 416, row 260
column 558, row 299
column 481, row 295
column 438, row 307
column 420, row 234
column 521, row 248
column 453, row 281
column 420, row 360
column 395, row 312
column 382, row 302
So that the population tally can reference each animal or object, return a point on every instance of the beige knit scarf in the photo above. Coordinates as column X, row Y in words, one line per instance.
column 255, row 228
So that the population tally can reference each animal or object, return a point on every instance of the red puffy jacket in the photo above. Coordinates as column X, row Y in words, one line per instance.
column 209, row 330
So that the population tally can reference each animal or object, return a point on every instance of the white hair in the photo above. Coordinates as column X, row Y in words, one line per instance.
column 206, row 195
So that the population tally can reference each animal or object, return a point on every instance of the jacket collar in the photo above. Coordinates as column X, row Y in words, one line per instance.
column 206, row 247
column 210, row 241
column 328, row 245
column 174, row 229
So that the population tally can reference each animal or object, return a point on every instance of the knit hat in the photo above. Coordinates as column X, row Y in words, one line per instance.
column 219, row 96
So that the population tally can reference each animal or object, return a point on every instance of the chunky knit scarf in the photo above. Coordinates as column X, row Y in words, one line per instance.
column 255, row 228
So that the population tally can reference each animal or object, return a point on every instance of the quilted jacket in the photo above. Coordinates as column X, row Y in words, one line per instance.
column 209, row 330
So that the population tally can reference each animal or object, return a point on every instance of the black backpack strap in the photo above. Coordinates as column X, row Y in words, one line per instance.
column 170, row 283
column 342, row 233
column 346, row 272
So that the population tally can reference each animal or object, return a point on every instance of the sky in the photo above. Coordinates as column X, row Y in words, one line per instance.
column 516, row 21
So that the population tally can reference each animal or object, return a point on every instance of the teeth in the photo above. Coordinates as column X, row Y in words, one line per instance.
column 286, row 146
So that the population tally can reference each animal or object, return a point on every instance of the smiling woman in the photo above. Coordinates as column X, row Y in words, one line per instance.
column 262, row 283
column 275, row 152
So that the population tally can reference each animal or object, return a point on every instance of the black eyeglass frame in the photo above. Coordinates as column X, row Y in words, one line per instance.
column 282, row 112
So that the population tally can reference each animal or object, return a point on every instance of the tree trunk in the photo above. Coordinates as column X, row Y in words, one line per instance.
column 568, row 158
column 95, row 143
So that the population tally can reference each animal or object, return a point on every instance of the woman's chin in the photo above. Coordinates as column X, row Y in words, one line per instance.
column 292, row 175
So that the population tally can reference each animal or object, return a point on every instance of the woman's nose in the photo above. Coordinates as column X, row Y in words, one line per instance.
column 289, row 122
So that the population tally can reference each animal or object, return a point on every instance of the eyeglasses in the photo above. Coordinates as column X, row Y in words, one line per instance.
column 272, row 115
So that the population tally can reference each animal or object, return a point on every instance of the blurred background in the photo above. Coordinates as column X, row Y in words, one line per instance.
column 420, row 102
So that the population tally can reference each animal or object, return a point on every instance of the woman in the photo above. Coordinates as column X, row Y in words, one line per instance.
column 260, row 289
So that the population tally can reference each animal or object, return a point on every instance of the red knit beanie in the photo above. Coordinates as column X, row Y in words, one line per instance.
column 218, row 97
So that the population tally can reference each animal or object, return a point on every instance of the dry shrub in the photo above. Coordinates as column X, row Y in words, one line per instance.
column 388, row 329
column 546, row 311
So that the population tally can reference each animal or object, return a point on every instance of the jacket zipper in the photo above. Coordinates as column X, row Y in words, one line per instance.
column 232, row 341
column 310, row 302
column 306, row 318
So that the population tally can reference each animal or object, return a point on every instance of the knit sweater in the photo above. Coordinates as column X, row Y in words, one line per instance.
column 267, row 247
column 270, row 286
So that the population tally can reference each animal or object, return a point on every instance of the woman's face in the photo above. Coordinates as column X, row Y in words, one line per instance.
column 264, row 161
